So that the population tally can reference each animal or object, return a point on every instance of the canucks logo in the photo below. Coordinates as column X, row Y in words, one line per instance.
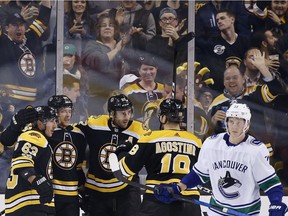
column 228, row 186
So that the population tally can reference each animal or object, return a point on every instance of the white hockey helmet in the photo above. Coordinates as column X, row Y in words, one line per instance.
column 238, row 110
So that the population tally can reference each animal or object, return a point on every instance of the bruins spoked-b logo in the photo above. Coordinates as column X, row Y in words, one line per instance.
column 228, row 186
column 65, row 155
column 219, row 49
column 104, row 153
column 27, row 64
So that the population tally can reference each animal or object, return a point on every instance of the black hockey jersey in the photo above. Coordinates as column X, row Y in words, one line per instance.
column 168, row 155
column 31, row 151
column 20, row 71
column 102, row 139
column 68, row 154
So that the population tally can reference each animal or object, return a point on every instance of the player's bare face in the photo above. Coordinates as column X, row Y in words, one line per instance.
column 16, row 31
column 64, row 116
column 50, row 127
column 236, row 126
column 121, row 118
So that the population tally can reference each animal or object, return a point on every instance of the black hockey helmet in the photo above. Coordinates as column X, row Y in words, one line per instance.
column 45, row 113
column 173, row 109
column 118, row 103
column 60, row 101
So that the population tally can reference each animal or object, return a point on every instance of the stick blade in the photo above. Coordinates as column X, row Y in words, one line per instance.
column 113, row 162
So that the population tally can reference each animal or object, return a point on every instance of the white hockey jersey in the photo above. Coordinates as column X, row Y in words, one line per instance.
column 236, row 172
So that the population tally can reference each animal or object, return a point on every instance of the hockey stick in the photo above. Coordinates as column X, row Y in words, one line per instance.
column 114, row 166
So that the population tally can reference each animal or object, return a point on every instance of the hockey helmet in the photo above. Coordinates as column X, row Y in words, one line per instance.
column 118, row 103
column 239, row 110
column 173, row 109
column 60, row 101
column 45, row 113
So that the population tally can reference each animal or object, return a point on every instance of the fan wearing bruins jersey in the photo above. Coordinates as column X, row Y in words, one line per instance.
column 237, row 165
column 29, row 188
column 167, row 155
column 68, row 144
column 19, row 65
column 107, row 195
column 256, row 97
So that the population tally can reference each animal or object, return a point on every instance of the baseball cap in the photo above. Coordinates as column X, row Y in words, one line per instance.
column 14, row 18
column 69, row 49
column 128, row 78
column 167, row 10
column 147, row 60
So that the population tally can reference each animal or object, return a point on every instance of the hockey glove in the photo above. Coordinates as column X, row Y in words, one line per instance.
column 44, row 189
column 23, row 117
column 165, row 192
column 126, row 147
column 277, row 209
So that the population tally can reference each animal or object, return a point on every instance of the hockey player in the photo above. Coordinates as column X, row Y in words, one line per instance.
column 237, row 166
column 29, row 189
column 68, row 144
column 107, row 195
column 168, row 155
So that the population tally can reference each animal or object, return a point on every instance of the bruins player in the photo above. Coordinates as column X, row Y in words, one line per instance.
column 167, row 155
column 108, row 196
column 29, row 189
column 68, row 144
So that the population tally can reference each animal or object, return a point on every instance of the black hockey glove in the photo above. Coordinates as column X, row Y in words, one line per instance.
column 277, row 209
column 44, row 189
column 23, row 117
column 123, row 147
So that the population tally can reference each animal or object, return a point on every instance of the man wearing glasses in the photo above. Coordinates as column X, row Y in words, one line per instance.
column 168, row 21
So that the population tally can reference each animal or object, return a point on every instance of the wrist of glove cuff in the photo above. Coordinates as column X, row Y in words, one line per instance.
column 277, row 209
column 126, row 146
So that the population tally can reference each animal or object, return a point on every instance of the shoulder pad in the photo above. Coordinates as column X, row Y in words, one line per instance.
column 34, row 137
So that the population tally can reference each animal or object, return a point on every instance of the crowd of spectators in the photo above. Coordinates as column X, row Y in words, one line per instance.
column 133, row 43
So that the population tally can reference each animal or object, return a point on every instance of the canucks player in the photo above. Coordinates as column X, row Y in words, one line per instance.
column 237, row 166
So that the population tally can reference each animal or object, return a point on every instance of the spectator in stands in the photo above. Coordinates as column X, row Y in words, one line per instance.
column 20, row 70
column 71, row 88
column 205, row 97
column 252, row 72
column 256, row 97
column 214, row 52
column 181, row 8
column 165, row 56
column 103, row 63
column 146, row 89
column 141, row 21
column 78, row 25
column 205, row 19
column 127, row 80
